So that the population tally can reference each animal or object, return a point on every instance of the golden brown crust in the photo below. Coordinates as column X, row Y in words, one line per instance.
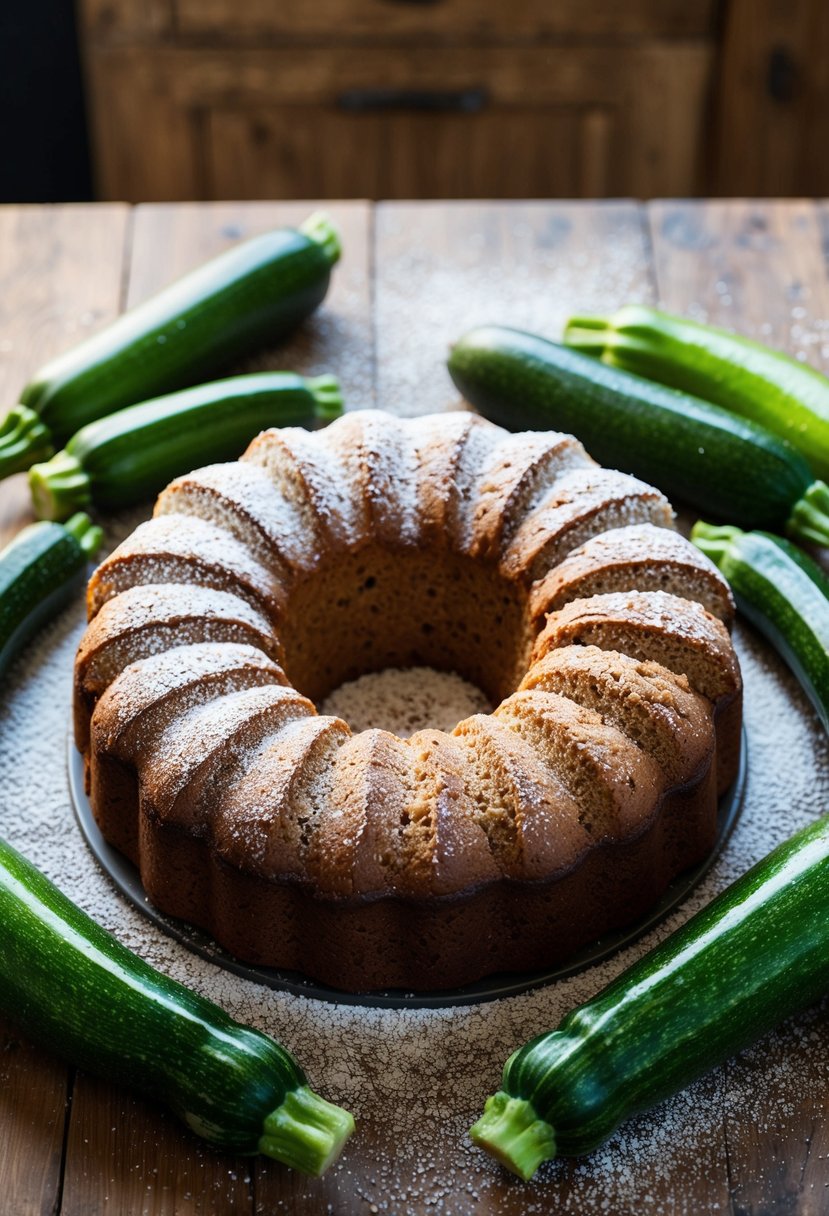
column 653, row 706
column 434, row 943
column 583, row 503
column 678, row 633
column 147, row 620
column 640, row 557
column 185, row 549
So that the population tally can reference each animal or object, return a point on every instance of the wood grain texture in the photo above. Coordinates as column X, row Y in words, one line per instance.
column 714, row 97
column 393, row 154
column 33, row 1110
column 758, row 267
column 125, row 1156
column 751, row 265
column 123, row 102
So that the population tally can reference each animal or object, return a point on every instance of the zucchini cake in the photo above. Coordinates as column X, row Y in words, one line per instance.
column 598, row 633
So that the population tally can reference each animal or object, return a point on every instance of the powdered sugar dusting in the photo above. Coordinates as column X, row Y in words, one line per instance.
column 582, row 503
column 239, row 495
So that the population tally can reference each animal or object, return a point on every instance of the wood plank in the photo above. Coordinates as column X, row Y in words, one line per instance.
column 592, row 74
column 60, row 278
column 394, row 154
column 125, row 1156
column 144, row 144
column 659, row 146
column 33, row 1112
column 470, row 20
column 758, row 268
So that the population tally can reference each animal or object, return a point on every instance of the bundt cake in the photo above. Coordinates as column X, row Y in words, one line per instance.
column 366, row 860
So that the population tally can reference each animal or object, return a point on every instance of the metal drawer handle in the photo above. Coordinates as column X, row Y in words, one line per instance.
column 782, row 75
column 457, row 101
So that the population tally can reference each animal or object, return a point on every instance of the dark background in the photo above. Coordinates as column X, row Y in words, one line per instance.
column 45, row 151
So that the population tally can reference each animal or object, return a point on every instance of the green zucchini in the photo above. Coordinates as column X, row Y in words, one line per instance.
column 40, row 570
column 77, row 990
column 784, row 594
column 132, row 454
column 788, row 397
column 248, row 297
column 758, row 953
column 720, row 463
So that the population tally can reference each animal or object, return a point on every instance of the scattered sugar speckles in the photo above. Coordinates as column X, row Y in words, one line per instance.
column 502, row 268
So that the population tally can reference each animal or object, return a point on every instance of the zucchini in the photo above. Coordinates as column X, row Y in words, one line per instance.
column 784, row 594
column 134, row 453
column 40, row 570
column 248, row 297
column 720, row 463
column 77, row 990
column 758, row 953
column 788, row 397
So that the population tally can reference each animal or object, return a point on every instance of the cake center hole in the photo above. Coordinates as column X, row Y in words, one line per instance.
column 403, row 609
column 406, row 700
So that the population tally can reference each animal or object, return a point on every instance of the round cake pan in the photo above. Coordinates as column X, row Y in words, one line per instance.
column 125, row 877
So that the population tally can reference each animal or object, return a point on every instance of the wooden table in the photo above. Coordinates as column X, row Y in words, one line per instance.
column 413, row 275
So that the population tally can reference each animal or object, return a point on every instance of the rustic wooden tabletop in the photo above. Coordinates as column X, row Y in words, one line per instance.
column 76, row 1146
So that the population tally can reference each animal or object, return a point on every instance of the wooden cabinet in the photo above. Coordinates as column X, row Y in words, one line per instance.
column 410, row 98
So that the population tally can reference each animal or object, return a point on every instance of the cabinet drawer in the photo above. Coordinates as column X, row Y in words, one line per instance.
column 313, row 152
column 415, row 122
column 471, row 20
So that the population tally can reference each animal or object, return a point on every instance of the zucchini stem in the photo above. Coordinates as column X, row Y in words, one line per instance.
column 59, row 486
column 306, row 1132
column 511, row 1132
column 320, row 227
column 714, row 540
column 328, row 397
column 87, row 534
column 809, row 519
column 588, row 335
column 24, row 439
